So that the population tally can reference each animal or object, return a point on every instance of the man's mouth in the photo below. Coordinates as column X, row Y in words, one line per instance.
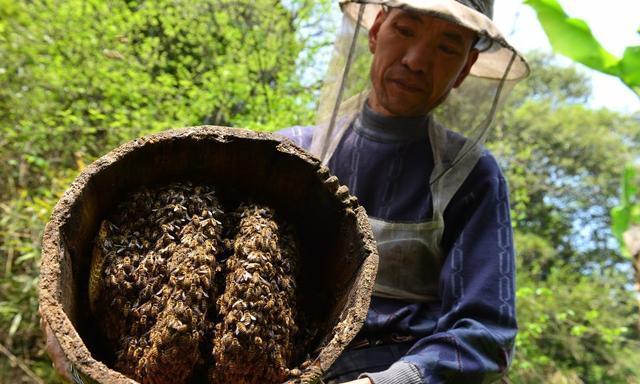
column 408, row 86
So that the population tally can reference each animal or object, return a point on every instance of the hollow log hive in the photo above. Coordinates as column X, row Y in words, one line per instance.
column 152, row 288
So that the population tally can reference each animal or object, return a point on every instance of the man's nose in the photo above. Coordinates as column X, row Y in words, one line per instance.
column 418, row 58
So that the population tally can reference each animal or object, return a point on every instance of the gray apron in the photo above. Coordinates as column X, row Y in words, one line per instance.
column 410, row 253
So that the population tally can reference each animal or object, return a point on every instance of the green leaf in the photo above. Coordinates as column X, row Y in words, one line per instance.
column 592, row 315
column 620, row 219
column 573, row 38
column 7, row 308
column 15, row 323
column 578, row 330
column 26, row 256
column 629, row 188
column 627, row 213
column 629, row 67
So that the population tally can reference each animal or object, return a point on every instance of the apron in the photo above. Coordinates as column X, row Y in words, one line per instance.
column 410, row 254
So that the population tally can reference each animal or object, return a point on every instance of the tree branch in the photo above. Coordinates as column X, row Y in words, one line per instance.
column 16, row 361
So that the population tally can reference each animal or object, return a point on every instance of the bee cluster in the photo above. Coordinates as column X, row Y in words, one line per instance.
column 168, row 303
column 254, row 342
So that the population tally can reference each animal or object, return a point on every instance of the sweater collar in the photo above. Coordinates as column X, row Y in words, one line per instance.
column 391, row 129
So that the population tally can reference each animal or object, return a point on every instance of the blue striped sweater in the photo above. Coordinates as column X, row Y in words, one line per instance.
column 467, row 335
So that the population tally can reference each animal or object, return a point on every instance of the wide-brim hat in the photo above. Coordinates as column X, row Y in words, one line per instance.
column 497, row 60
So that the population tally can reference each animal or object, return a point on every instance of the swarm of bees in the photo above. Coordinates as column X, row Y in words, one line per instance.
column 176, row 284
column 254, row 341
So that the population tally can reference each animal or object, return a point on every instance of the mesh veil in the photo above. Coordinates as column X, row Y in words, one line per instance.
column 460, row 125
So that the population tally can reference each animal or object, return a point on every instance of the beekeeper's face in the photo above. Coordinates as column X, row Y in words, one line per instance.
column 417, row 60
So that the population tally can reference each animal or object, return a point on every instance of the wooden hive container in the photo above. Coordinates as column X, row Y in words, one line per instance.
column 338, row 258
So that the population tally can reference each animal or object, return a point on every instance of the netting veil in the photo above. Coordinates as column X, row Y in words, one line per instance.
column 468, row 110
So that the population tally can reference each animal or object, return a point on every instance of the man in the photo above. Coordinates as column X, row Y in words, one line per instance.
column 443, row 305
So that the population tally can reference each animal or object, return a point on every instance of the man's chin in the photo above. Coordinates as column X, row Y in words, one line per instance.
column 405, row 106
column 398, row 107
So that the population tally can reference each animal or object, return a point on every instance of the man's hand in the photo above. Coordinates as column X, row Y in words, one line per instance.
column 60, row 362
column 359, row 381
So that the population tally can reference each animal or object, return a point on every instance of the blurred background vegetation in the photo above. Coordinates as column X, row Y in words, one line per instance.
column 79, row 77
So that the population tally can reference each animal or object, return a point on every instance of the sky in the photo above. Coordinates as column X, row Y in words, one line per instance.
column 615, row 26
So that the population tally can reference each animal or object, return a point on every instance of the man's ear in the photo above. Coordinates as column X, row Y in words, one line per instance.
column 373, row 31
column 471, row 59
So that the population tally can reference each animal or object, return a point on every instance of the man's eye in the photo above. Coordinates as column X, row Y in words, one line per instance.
column 404, row 31
column 448, row 50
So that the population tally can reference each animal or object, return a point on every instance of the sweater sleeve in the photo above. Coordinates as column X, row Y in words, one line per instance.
column 300, row 135
column 474, row 337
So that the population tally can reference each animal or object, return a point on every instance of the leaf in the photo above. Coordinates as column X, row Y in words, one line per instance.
column 578, row 330
column 573, row 38
column 592, row 315
column 15, row 323
column 626, row 213
column 7, row 308
column 629, row 67
column 629, row 188
column 26, row 256
column 620, row 218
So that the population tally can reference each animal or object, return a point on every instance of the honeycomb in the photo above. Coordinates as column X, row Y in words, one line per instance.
column 169, row 301
column 254, row 341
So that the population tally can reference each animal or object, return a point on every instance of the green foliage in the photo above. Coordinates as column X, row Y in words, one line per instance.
column 573, row 38
column 575, row 328
column 84, row 76
column 577, row 314
column 21, row 223
column 79, row 77
column 562, row 161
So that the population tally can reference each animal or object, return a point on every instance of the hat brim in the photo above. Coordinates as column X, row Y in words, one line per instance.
column 498, row 59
